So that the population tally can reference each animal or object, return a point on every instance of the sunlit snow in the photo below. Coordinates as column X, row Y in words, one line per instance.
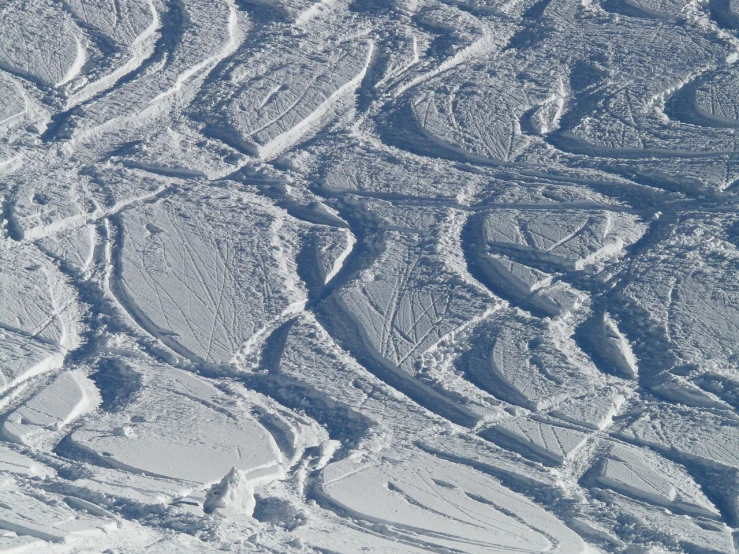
column 351, row 276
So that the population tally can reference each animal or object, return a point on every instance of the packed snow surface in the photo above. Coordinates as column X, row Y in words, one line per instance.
column 351, row 276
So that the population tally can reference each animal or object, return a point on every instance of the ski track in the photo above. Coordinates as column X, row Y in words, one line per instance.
column 472, row 292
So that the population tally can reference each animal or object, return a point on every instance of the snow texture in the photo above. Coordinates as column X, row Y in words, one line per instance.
column 348, row 276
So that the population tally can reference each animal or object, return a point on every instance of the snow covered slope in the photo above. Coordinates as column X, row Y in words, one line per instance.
column 350, row 276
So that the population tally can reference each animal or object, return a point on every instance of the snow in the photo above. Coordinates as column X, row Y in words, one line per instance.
column 522, row 363
column 348, row 276
column 412, row 493
column 641, row 474
column 404, row 303
column 41, row 43
column 233, row 492
column 40, row 519
column 63, row 401
column 175, row 431
column 181, row 258
column 552, row 442
column 570, row 240
column 270, row 111
column 595, row 411
column 15, row 463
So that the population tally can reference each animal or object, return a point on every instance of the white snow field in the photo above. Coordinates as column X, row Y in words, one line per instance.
column 369, row 276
